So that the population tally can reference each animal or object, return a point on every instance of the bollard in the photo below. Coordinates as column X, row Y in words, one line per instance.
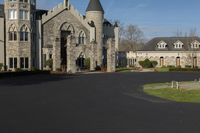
column 172, row 85
column 177, row 85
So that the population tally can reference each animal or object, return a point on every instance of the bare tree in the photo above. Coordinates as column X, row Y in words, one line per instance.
column 132, row 37
column 179, row 33
column 193, row 32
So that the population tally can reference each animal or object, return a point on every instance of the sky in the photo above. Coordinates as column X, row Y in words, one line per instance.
column 156, row 18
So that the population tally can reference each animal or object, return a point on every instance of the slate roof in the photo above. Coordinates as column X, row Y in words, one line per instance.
column 152, row 44
column 95, row 5
column 1, row 10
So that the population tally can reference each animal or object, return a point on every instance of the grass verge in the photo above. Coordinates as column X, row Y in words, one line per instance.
column 183, row 95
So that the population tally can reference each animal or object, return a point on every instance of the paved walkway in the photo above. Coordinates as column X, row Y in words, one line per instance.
column 97, row 103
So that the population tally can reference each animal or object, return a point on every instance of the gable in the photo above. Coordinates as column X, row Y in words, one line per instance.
column 62, row 21
column 162, row 45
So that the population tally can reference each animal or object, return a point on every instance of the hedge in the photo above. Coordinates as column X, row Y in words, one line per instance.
column 184, row 70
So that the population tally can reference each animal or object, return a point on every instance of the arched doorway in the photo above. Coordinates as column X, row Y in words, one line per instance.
column 195, row 62
column 161, row 61
column 178, row 61
column 65, row 31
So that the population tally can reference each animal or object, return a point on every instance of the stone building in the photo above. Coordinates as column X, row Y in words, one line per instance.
column 168, row 51
column 2, row 53
column 63, row 35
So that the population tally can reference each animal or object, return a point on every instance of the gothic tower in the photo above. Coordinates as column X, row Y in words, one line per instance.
column 95, row 14
column 20, row 20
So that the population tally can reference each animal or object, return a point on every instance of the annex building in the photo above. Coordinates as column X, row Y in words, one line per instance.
column 167, row 51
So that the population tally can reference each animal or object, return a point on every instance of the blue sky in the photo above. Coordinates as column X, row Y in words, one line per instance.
column 154, row 17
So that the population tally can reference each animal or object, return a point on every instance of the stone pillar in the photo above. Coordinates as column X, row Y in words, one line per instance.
column 56, row 54
column 93, row 56
column 111, row 53
column 71, row 60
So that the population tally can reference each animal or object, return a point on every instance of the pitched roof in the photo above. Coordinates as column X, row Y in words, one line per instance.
column 1, row 10
column 152, row 44
column 95, row 5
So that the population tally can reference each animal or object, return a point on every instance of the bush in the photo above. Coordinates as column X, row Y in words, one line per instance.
column 98, row 68
column 18, row 70
column 171, row 66
column 154, row 63
column 148, row 64
column 58, row 69
column 188, row 66
column 87, row 63
column 184, row 70
column 1, row 66
column 49, row 63
column 34, row 69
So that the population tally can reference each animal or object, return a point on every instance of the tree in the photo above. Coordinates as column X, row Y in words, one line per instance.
column 132, row 36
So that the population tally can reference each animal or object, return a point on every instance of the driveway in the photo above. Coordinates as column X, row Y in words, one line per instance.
column 97, row 103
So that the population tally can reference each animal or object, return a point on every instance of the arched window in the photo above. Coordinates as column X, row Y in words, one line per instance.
column 81, row 38
column 12, row 33
column 24, row 33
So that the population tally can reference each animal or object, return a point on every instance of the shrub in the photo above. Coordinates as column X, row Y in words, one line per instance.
column 171, row 66
column 18, row 70
column 87, row 63
column 5, row 68
column 188, row 66
column 1, row 66
column 58, row 69
column 34, row 69
column 98, row 68
column 148, row 64
column 184, row 70
column 154, row 63
column 49, row 63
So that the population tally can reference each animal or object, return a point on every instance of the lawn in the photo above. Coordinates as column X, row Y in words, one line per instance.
column 181, row 95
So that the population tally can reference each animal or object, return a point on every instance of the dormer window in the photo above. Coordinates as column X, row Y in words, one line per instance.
column 195, row 45
column 162, row 45
column 178, row 45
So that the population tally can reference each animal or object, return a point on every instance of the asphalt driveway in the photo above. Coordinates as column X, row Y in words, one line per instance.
column 98, row 103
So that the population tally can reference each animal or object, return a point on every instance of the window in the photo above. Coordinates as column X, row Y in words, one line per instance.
column 12, row 33
column 195, row 45
column 24, row 33
column 25, row 1
column 12, row 0
column 162, row 45
column 23, row 15
column 12, row 14
column 81, row 38
column 178, row 45
column 12, row 62
column 50, row 56
column 24, row 62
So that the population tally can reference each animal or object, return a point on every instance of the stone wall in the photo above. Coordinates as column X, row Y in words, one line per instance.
column 2, row 41
column 169, row 57
column 111, row 55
